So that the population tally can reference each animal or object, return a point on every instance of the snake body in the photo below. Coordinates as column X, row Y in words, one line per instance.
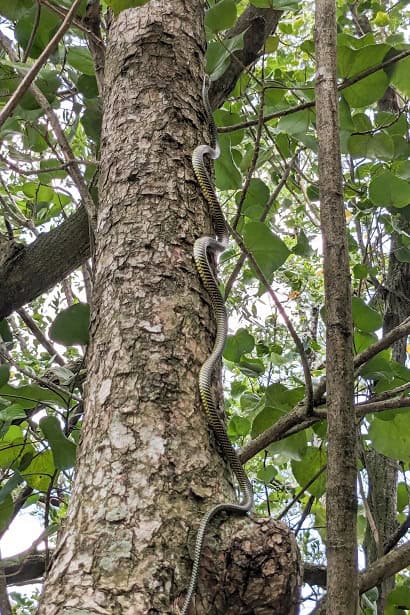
column 206, row 248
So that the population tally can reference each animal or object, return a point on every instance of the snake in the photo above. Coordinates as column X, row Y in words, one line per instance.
column 205, row 253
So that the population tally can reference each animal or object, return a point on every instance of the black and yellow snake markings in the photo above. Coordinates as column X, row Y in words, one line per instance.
column 204, row 249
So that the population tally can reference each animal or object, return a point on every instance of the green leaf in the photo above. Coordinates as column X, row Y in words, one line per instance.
column 120, row 5
column 296, row 123
column 239, row 426
column 46, row 27
column 71, row 325
column 6, row 511
column 269, row 251
column 386, row 189
column 302, row 248
column 238, row 344
column 379, row 367
column 367, row 91
column 91, row 120
column 12, row 412
column 363, row 340
column 64, row 450
column 360, row 271
column 39, row 472
column 221, row 16
column 80, row 59
column 4, row 374
column 227, row 174
column 249, row 401
column 267, row 473
column 10, row 485
column 253, row 368
column 5, row 331
column 403, row 498
column 255, row 200
column 87, row 85
column 277, row 395
column 400, row 76
column 391, row 437
column 398, row 601
column 265, row 419
column 15, row 10
column 13, row 448
column 292, row 447
column 365, row 318
column 218, row 55
column 229, row 118
column 28, row 396
column 313, row 460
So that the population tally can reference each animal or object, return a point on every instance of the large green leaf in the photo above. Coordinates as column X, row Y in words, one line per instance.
column 6, row 512
column 367, row 91
column 269, row 251
column 400, row 76
column 237, row 345
column 71, row 325
column 4, row 374
column 14, row 448
column 38, row 474
column 292, row 447
column 28, row 396
column 227, row 174
column 44, row 31
column 296, row 123
column 265, row 419
column 304, row 471
column 365, row 318
column 80, row 59
column 388, row 190
column 218, row 55
column 64, row 450
column 15, row 10
column 6, row 334
column 392, row 437
column 256, row 198
column 221, row 16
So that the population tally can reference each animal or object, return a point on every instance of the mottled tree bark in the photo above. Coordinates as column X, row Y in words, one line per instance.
column 341, row 505
column 148, row 468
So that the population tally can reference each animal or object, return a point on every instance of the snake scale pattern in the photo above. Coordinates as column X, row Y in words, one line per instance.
column 206, row 249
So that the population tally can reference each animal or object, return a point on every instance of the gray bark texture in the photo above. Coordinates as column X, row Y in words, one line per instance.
column 341, row 504
column 148, row 468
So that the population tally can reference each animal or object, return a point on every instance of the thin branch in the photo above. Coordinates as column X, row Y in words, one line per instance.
column 30, row 76
column 37, row 332
column 311, row 103
column 300, row 493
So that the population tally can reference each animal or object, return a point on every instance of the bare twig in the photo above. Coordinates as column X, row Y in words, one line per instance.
column 37, row 332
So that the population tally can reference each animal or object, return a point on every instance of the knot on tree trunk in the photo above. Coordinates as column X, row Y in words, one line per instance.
column 252, row 567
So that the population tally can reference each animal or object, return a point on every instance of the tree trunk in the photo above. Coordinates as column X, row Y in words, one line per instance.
column 148, row 469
